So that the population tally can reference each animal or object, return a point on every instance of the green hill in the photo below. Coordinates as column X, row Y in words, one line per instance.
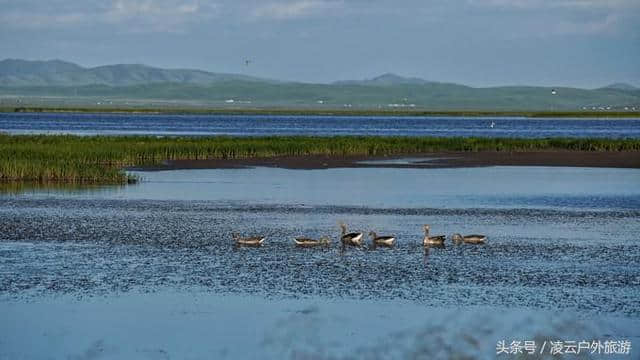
column 388, row 91
column 14, row 72
column 621, row 86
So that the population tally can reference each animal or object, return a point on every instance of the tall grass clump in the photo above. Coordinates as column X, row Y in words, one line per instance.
column 100, row 159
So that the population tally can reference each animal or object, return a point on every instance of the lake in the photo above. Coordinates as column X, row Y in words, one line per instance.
column 80, row 263
column 266, row 125
column 558, row 238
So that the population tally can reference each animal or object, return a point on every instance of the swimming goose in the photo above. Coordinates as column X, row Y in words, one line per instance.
column 469, row 239
column 352, row 238
column 303, row 241
column 382, row 240
column 248, row 241
column 432, row 240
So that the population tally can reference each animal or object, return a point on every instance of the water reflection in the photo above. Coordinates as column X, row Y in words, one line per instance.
column 54, row 189
column 427, row 251
column 471, row 188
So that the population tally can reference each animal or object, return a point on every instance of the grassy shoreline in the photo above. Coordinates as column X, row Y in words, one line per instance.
column 101, row 159
column 320, row 112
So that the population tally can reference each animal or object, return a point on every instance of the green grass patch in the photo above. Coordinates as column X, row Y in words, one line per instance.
column 100, row 159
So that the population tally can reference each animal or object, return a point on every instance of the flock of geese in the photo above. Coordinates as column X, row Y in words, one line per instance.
column 357, row 239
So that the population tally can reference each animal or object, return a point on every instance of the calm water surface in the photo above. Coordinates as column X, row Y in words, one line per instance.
column 259, row 125
column 556, row 188
column 558, row 238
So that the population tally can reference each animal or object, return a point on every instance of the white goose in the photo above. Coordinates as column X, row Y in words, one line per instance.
column 352, row 238
column 381, row 240
column 308, row 242
column 431, row 240
column 469, row 239
column 249, row 241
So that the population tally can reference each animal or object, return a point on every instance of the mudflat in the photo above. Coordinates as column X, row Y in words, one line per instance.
column 611, row 159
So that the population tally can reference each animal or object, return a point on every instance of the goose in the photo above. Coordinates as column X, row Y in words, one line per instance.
column 303, row 241
column 432, row 240
column 249, row 241
column 352, row 238
column 382, row 240
column 469, row 239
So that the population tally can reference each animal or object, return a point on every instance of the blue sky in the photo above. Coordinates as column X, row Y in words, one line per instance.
column 583, row 43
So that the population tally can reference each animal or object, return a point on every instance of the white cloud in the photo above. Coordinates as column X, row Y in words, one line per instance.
column 565, row 17
column 129, row 15
column 505, row 3
column 569, row 4
column 598, row 4
column 587, row 27
column 158, row 16
column 294, row 9
column 21, row 20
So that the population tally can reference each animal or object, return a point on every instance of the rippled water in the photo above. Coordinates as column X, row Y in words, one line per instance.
column 567, row 239
column 256, row 125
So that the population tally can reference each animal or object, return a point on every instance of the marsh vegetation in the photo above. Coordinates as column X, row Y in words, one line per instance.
column 101, row 159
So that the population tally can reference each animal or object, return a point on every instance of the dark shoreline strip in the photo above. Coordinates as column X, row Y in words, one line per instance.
column 607, row 159
column 321, row 112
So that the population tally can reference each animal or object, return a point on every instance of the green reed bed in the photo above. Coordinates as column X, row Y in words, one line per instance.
column 100, row 159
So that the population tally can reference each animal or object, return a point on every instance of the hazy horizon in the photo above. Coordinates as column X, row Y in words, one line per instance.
column 576, row 43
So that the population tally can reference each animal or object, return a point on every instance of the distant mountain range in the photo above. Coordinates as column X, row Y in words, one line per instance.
column 621, row 86
column 385, row 80
column 64, row 79
column 15, row 72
